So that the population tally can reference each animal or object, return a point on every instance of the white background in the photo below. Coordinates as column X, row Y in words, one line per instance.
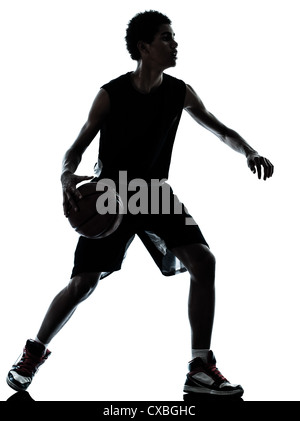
column 130, row 340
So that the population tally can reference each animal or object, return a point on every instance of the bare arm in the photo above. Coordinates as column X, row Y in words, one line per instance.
column 72, row 158
column 195, row 107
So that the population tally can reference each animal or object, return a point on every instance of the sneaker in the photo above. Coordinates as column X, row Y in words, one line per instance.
column 204, row 377
column 21, row 374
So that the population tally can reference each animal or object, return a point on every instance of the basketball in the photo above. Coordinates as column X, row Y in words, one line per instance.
column 99, row 211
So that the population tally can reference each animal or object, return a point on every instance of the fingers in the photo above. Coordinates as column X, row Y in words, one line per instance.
column 258, row 166
column 83, row 178
column 252, row 168
column 271, row 168
column 259, row 163
column 71, row 195
column 66, row 205
column 268, row 168
column 69, row 202
column 74, row 193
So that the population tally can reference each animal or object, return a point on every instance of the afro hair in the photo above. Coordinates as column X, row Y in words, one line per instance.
column 143, row 27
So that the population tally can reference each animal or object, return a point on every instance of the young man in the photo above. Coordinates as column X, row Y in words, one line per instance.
column 137, row 115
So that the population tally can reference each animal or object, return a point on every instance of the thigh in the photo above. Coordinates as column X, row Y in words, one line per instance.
column 176, row 230
column 103, row 255
column 176, row 227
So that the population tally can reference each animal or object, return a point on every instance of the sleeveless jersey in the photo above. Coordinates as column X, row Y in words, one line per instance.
column 139, row 132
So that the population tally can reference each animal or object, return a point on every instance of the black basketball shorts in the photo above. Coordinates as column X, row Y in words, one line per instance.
column 160, row 233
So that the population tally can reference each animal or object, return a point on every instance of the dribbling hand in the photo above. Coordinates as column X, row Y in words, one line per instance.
column 70, row 193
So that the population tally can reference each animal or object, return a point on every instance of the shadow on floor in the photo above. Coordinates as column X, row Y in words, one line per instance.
column 20, row 397
column 187, row 397
column 202, row 398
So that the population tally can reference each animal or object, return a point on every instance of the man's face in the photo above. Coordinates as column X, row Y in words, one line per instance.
column 162, row 52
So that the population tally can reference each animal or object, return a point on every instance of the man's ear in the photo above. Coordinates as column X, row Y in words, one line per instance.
column 142, row 47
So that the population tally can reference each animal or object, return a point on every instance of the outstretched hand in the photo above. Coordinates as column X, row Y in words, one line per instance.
column 256, row 163
column 70, row 193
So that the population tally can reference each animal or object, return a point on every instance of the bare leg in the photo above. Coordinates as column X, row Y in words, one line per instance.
column 200, row 263
column 65, row 303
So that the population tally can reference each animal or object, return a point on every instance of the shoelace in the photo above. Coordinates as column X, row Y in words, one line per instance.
column 28, row 363
column 216, row 373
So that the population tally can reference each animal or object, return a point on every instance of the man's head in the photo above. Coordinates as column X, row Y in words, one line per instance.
column 142, row 28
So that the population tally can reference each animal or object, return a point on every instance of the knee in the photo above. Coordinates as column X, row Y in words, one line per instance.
column 203, row 268
column 81, row 286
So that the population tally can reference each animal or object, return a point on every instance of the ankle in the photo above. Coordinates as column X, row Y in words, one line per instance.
column 42, row 343
column 202, row 353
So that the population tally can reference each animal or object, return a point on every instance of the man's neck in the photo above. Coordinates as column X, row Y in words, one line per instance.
column 146, row 79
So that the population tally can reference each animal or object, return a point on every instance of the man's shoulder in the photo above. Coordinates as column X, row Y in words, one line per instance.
column 117, row 82
column 172, row 78
column 174, row 84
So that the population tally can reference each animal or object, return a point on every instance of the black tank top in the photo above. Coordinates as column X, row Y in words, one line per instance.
column 139, row 132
